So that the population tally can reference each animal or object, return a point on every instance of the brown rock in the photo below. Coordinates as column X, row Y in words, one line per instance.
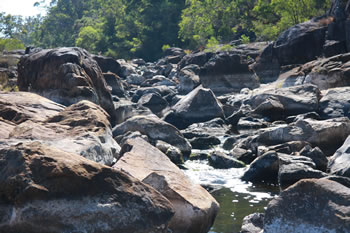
column 66, row 76
column 195, row 209
column 44, row 189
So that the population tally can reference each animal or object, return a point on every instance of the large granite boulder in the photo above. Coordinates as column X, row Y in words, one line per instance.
column 228, row 72
column 310, row 206
column 44, row 189
column 325, row 73
column 335, row 103
column 66, row 76
column 199, row 105
column 155, row 129
column 287, row 101
column 195, row 209
column 83, row 126
column 301, row 43
column 328, row 135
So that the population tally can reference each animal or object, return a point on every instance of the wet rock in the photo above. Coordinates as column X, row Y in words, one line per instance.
column 263, row 169
column 335, row 103
column 41, row 185
column 155, row 129
column 66, row 76
column 227, row 72
column 195, row 209
column 253, row 223
column 339, row 162
column 220, row 160
column 154, row 102
column 310, row 206
column 200, row 105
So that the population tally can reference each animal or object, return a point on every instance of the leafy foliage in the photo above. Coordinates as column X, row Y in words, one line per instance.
column 144, row 28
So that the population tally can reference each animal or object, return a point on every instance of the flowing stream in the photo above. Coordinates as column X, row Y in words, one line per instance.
column 237, row 198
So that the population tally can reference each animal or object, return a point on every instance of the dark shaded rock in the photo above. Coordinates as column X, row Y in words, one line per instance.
column 154, row 102
column 195, row 58
column 173, row 153
column 301, row 43
column 204, row 143
column 220, row 160
column 195, row 209
column 115, row 83
column 107, row 64
column 243, row 155
column 317, row 156
column 227, row 72
column 41, row 185
column 295, row 168
column 310, row 206
column 333, row 47
column 66, row 76
column 161, row 90
column 200, row 105
column 263, row 169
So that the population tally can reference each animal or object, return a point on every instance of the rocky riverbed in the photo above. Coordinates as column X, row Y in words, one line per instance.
column 93, row 144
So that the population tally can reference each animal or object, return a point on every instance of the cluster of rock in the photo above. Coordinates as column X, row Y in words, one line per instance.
column 78, row 151
column 90, row 143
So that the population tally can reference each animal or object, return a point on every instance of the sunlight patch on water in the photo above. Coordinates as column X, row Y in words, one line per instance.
column 202, row 173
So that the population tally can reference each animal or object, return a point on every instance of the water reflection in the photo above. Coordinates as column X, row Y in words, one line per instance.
column 237, row 198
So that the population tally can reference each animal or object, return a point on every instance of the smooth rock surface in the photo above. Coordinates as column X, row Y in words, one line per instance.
column 195, row 209
column 44, row 189
column 200, row 105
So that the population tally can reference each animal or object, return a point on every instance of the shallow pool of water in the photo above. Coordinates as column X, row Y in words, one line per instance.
column 237, row 198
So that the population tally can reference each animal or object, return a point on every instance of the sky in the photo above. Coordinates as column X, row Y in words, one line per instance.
column 20, row 7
